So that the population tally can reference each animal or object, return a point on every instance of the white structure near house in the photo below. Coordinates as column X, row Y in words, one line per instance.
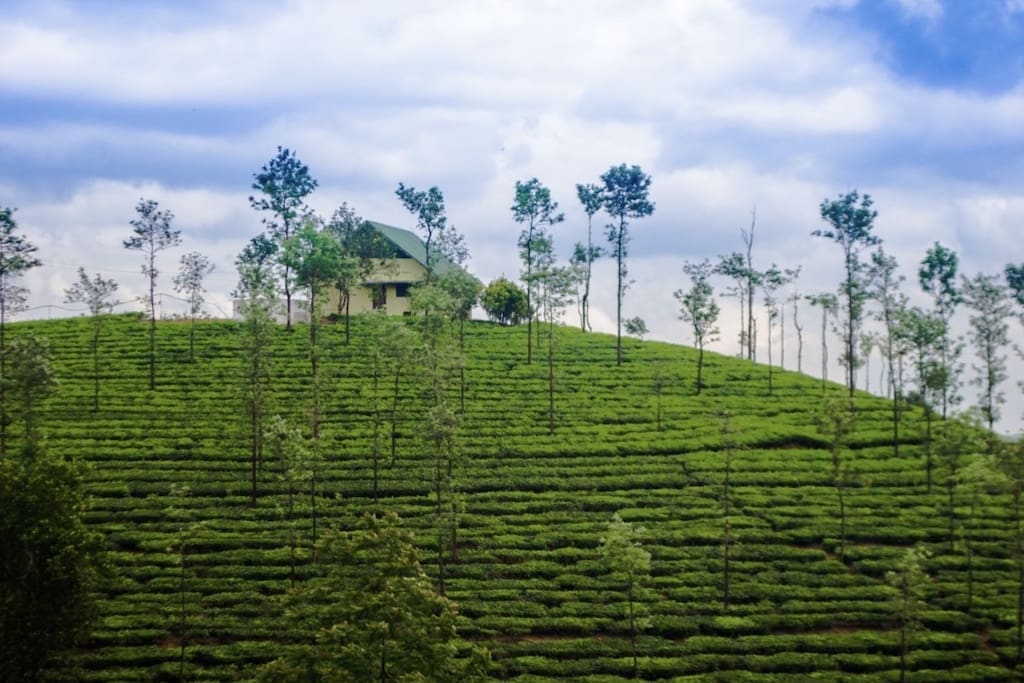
column 402, row 263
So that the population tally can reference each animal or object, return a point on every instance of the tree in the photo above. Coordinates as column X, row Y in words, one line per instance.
column 727, row 431
column 630, row 563
column 534, row 209
column 95, row 294
column 937, row 276
column 285, row 183
column 635, row 327
column 189, row 281
column 885, row 291
column 373, row 615
column 1010, row 464
column 504, row 302
column 50, row 564
column 364, row 246
column 789, row 276
column 317, row 259
column 699, row 308
column 555, row 293
column 922, row 332
column 624, row 197
column 255, row 292
column 31, row 378
column 591, row 198
column 829, row 304
column 17, row 256
column 771, row 281
column 152, row 234
column 1015, row 281
column 909, row 580
column 851, row 224
column 289, row 449
column 734, row 267
column 428, row 207
column 836, row 422
column 990, row 302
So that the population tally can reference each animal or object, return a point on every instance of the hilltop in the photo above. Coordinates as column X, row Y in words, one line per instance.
column 529, row 580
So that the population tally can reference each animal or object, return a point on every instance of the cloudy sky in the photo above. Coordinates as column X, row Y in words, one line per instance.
column 727, row 104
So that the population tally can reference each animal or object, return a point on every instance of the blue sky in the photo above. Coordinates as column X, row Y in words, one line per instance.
column 728, row 104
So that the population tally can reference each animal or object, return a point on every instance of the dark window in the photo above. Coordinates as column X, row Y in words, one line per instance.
column 402, row 289
column 380, row 296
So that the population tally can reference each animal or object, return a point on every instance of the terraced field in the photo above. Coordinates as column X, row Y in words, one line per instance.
column 529, row 579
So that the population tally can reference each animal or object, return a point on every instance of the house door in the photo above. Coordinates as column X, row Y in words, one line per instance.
column 380, row 296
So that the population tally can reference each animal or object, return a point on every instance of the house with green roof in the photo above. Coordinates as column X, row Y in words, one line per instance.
column 401, row 263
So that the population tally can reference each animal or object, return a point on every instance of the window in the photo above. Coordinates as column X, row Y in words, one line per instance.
column 402, row 289
column 380, row 296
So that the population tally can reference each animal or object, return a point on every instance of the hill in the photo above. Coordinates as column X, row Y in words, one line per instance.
column 529, row 579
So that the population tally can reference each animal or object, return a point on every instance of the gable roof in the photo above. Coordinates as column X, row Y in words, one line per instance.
column 409, row 243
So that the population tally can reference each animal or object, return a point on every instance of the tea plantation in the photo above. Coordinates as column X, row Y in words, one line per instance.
column 529, row 579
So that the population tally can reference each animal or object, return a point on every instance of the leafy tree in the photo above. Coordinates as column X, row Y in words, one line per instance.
column 922, row 332
column 364, row 246
column 31, row 377
column 829, row 305
column 284, row 182
column 17, row 256
column 189, row 281
column 630, row 563
column 189, row 531
column 789, row 276
column 836, row 422
column 1010, row 463
column 990, row 302
column 428, row 207
column 959, row 438
column 255, row 292
column 504, row 302
column 1015, row 281
column 937, row 276
column 636, row 327
column 624, row 197
column 699, row 308
column 534, row 209
column 771, row 281
column 591, row 198
column 317, row 259
column 734, row 267
column 850, row 227
column 659, row 380
column 909, row 579
column 152, row 234
column 50, row 564
column 289, row 449
column 374, row 615
column 794, row 299
column 555, row 293
column 95, row 294
column 975, row 482
column 885, row 291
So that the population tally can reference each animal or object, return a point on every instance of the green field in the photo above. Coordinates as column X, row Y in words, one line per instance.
column 529, row 581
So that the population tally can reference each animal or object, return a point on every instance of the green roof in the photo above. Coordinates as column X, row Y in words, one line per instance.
column 412, row 245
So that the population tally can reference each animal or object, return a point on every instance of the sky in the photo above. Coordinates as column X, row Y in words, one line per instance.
column 731, row 106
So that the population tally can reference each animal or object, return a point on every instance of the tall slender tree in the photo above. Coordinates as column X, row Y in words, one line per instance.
column 95, row 293
column 991, row 306
column 851, row 220
column 734, row 267
column 256, row 293
column 922, row 332
column 284, row 183
column 829, row 304
column 771, row 281
column 629, row 562
column 625, row 197
column 591, row 199
column 193, row 269
column 938, row 277
column 364, row 247
column 17, row 256
column 534, row 209
column 699, row 308
column 152, row 233
column 885, row 290
column 431, row 219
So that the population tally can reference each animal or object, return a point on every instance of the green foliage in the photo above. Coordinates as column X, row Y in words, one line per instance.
column 49, row 563
column 504, row 302
column 699, row 308
column 624, row 197
column 374, row 615
column 428, row 208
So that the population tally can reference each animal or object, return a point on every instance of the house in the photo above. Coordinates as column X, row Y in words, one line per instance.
column 398, row 260
column 400, row 263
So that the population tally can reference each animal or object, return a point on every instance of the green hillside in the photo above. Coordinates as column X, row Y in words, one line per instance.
column 529, row 580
